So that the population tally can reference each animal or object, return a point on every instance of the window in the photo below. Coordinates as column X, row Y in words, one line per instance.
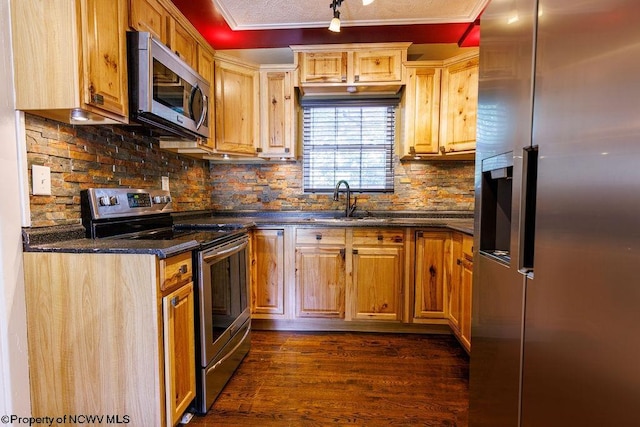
column 348, row 141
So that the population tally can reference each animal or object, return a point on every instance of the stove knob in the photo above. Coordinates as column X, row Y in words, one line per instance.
column 167, row 199
column 104, row 201
column 114, row 200
column 157, row 199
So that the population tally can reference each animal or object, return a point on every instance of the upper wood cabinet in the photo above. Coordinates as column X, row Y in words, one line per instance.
column 71, row 56
column 182, row 43
column 236, row 106
column 350, row 68
column 277, row 112
column 459, row 106
column 439, row 109
column 421, row 124
column 149, row 16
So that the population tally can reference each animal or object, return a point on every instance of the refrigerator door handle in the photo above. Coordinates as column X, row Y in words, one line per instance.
column 528, row 209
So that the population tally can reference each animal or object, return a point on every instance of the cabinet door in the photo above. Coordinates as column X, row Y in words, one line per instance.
column 459, row 106
column 323, row 67
column 179, row 351
column 432, row 260
column 277, row 114
column 206, row 70
column 422, row 100
column 183, row 43
column 377, row 66
column 149, row 16
column 465, row 303
column 455, row 282
column 320, row 281
column 236, row 96
column 105, row 50
column 377, row 281
column 267, row 266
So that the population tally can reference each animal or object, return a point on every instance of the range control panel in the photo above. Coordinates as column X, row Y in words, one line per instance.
column 121, row 202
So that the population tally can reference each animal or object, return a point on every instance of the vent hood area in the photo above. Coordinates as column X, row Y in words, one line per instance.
column 350, row 69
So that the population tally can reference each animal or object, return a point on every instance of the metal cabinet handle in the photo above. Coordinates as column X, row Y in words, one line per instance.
column 183, row 269
column 380, row 237
column 175, row 301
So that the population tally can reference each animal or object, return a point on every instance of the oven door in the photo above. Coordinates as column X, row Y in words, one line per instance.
column 223, row 287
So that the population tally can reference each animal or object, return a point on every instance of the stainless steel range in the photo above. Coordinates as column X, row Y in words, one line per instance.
column 223, row 326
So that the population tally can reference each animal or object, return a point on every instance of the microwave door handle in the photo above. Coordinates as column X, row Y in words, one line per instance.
column 205, row 110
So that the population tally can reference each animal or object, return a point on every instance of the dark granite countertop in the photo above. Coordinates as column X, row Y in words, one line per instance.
column 459, row 221
column 70, row 239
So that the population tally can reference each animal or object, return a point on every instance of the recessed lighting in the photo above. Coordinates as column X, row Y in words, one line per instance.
column 79, row 115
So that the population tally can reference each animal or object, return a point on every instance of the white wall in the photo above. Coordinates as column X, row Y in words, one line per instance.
column 14, row 370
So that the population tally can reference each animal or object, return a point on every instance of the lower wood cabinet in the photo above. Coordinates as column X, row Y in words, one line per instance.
column 378, row 259
column 432, row 268
column 370, row 277
column 320, row 273
column 104, row 338
column 267, row 272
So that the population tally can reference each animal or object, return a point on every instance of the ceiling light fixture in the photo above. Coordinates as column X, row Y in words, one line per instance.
column 334, row 25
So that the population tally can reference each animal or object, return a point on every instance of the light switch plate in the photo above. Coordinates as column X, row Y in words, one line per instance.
column 41, row 180
column 165, row 183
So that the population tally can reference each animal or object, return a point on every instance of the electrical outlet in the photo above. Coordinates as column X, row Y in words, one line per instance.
column 41, row 180
column 165, row 183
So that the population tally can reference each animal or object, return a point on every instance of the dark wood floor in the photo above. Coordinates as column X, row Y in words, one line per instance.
column 360, row 379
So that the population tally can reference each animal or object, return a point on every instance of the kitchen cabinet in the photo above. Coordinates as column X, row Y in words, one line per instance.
column 459, row 105
column 461, row 283
column 149, row 16
column 236, row 106
column 70, row 61
column 421, row 124
column 439, row 109
column 432, row 266
column 455, row 283
column 267, row 272
column 182, row 42
column 320, row 272
column 121, row 326
column 378, row 261
column 349, row 68
column 277, row 112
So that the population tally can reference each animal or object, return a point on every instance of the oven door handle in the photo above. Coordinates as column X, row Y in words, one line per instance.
column 219, row 254
column 232, row 352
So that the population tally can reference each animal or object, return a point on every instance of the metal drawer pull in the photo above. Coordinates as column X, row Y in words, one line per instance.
column 183, row 269
column 318, row 236
column 380, row 237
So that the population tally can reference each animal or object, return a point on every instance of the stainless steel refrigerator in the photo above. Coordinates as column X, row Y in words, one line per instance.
column 556, row 311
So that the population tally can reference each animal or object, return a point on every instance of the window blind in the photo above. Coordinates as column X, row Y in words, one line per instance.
column 352, row 142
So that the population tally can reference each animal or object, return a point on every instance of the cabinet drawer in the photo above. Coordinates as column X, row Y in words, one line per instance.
column 324, row 236
column 376, row 236
column 467, row 246
column 175, row 271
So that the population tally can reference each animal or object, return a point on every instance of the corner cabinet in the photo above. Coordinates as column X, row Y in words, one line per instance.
column 350, row 68
column 236, row 106
column 277, row 112
column 439, row 109
column 122, row 325
column 71, row 56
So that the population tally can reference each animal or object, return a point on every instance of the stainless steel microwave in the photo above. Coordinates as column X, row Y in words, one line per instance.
column 165, row 93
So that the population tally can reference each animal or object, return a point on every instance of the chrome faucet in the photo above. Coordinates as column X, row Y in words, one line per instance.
column 349, row 207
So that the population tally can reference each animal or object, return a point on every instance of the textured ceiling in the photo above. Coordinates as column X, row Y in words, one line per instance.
column 285, row 14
